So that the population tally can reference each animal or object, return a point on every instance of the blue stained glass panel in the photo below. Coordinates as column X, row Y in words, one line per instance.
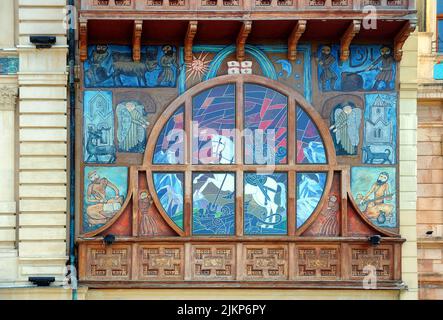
column 266, row 117
column 440, row 35
column 310, row 147
column 214, row 124
column 310, row 188
column 265, row 204
column 169, row 188
column 213, row 204
column 170, row 143
column 439, row 6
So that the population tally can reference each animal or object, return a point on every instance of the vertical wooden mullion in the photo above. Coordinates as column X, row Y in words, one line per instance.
column 292, row 152
column 135, row 212
column 239, row 141
column 344, row 202
column 188, row 162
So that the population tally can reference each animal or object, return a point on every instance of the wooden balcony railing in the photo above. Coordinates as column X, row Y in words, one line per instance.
column 245, row 5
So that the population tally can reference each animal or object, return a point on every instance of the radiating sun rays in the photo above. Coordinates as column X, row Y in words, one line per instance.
column 198, row 67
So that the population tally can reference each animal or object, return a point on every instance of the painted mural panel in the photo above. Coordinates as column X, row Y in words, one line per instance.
column 380, row 135
column 169, row 188
column 369, row 68
column 310, row 188
column 310, row 147
column 131, row 127
column 214, row 124
column 170, row 142
column 345, row 120
column 112, row 66
column 98, row 127
column 9, row 65
column 105, row 190
column 265, row 204
column 270, row 61
column 266, row 125
column 374, row 189
column 213, row 204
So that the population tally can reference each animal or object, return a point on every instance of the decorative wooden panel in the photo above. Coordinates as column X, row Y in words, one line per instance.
column 109, row 263
column 381, row 257
column 317, row 262
column 161, row 262
column 265, row 262
column 213, row 262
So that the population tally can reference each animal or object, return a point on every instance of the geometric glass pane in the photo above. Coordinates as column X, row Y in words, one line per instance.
column 169, row 147
column 310, row 147
column 265, row 204
column 169, row 188
column 213, row 203
column 310, row 187
column 266, row 117
column 213, row 115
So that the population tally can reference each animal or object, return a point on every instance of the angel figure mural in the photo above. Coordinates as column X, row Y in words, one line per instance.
column 346, row 129
column 132, row 125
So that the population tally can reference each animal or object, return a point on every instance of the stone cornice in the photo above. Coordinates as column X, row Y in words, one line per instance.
column 8, row 97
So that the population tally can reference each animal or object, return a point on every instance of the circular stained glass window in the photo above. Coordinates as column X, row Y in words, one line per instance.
column 240, row 156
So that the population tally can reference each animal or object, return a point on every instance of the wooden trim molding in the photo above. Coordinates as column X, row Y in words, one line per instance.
column 295, row 36
column 401, row 38
column 241, row 39
column 189, row 39
column 136, row 40
column 346, row 39
column 83, row 39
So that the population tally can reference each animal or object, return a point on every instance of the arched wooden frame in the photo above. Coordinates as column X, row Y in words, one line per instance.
column 292, row 167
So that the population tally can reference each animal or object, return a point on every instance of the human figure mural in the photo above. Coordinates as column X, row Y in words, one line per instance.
column 369, row 68
column 113, row 66
column 132, row 125
column 105, row 191
column 373, row 189
column 346, row 122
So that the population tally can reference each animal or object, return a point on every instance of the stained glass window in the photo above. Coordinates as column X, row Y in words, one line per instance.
column 310, row 187
column 169, row 188
column 266, row 124
column 310, row 147
column 213, row 114
column 213, row 203
column 170, row 142
column 265, row 203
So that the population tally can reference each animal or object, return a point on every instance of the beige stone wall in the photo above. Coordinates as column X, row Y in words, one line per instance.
column 430, row 165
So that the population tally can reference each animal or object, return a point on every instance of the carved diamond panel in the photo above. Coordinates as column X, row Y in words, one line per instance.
column 109, row 263
column 262, row 262
column 318, row 262
column 162, row 262
column 381, row 257
column 213, row 262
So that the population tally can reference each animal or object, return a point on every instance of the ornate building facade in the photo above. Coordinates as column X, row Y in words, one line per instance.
column 209, row 149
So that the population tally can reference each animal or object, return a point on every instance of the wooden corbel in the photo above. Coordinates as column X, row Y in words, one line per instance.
column 241, row 39
column 189, row 40
column 346, row 39
column 296, row 34
column 401, row 38
column 136, row 40
column 83, row 39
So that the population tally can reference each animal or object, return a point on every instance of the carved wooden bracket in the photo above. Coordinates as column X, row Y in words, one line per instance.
column 296, row 34
column 83, row 40
column 136, row 40
column 8, row 96
column 401, row 38
column 346, row 39
column 189, row 40
column 241, row 39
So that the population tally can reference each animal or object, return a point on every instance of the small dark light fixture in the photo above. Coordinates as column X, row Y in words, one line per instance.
column 41, row 281
column 429, row 233
column 43, row 42
column 109, row 239
column 375, row 240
